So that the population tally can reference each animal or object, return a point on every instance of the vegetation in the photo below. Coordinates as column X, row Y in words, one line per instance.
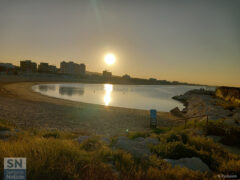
column 230, row 134
column 135, row 135
column 229, row 94
column 53, row 154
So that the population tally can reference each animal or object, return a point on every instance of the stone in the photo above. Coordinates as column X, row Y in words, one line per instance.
column 106, row 140
column 236, row 116
column 81, row 139
column 6, row 134
column 150, row 140
column 176, row 112
column 194, row 163
column 138, row 147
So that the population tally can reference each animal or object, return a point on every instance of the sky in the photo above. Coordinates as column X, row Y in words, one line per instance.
column 196, row 41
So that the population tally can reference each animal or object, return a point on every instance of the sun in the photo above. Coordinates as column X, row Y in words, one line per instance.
column 109, row 58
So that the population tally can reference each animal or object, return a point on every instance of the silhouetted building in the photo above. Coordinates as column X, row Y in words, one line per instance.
column 43, row 67
column 107, row 74
column 72, row 68
column 82, row 69
column 52, row 69
column 6, row 66
column 28, row 65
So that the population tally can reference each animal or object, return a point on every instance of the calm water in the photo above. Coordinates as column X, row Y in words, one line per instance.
column 130, row 96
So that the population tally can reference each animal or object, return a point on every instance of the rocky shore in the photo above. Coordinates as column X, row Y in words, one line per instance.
column 202, row 102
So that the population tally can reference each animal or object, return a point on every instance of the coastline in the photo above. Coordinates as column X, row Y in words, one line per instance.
column 21, row 105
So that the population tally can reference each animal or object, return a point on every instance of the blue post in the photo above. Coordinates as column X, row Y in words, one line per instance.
column 153, row 118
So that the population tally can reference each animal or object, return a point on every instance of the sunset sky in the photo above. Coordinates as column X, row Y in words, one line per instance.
column 195, row 41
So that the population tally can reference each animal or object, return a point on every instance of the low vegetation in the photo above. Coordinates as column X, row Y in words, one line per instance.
column 53, row 154
column 229, row 134
column 229, row 94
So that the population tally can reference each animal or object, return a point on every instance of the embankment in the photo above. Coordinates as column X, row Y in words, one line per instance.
column 229, row 94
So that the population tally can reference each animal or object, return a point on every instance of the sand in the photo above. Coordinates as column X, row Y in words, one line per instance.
column 28, row 109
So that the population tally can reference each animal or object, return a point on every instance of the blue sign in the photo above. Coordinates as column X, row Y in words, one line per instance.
column 15, row 168
column 153, row 113
column 153, row 118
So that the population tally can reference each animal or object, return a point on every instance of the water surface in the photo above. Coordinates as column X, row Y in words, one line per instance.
column 129, row 96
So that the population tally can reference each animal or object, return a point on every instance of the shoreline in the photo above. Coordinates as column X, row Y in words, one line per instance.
column 48, row 112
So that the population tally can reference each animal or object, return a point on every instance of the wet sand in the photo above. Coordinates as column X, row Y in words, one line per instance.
column 20, row 105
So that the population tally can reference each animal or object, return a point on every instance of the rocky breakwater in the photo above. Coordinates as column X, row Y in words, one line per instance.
column 202, row 102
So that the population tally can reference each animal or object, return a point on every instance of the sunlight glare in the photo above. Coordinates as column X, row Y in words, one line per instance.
column 108, row 90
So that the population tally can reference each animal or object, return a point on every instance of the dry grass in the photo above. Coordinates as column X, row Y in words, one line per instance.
column 56, row 155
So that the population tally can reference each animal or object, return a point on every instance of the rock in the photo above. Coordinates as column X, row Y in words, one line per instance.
column 176, row 112
column 81, row 139
column 106, row 140
column 232, row 122
column 6, row 134
column 150, row 140
column 215, row 138
column 193, row 163
column 213, row 117
column 202, row 102
column 139, row 139
column 236, row 116
column 137, row 147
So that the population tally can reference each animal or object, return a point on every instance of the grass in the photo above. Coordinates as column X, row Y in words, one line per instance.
column 184, row 144
column 134, row 135
column 230, row 134
column 229, row 105
column 4, row 126
column 53, row 154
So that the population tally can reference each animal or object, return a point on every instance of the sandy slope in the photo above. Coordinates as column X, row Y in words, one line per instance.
column 19, row 104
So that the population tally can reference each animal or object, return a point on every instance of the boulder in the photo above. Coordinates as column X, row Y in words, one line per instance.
column 150, row 140
column 81, row 139
column 106, row 140
column 193, row 163
column 176, row 112
column 6, row 134
column 236, row 116
column 137, row 147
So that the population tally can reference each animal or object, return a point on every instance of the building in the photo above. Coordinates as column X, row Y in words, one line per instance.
column 46, row 68
column 52, row 69
column 82, row 69
column 28, row 65
column 6, row 66
column 43, row 67
column 72, row 68
column 107, row 74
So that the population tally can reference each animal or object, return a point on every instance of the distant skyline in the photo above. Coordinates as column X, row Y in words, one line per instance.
column 195, row 41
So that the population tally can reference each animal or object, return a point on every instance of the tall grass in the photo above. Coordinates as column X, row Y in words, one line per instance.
column 57, row 155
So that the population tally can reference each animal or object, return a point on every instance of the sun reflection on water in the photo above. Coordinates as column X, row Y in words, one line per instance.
column 108, row 90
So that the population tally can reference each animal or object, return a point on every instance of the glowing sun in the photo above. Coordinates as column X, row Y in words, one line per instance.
column 109, row 59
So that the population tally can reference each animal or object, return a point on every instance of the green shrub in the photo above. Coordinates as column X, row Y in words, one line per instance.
column 230, row 134
column 51, row 135
column 173, row 137
column 174, row 150
column 92, row 144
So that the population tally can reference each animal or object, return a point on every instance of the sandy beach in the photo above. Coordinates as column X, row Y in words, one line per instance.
column 20, row 105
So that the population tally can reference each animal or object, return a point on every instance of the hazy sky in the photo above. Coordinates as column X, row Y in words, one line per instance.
column 185, row 40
